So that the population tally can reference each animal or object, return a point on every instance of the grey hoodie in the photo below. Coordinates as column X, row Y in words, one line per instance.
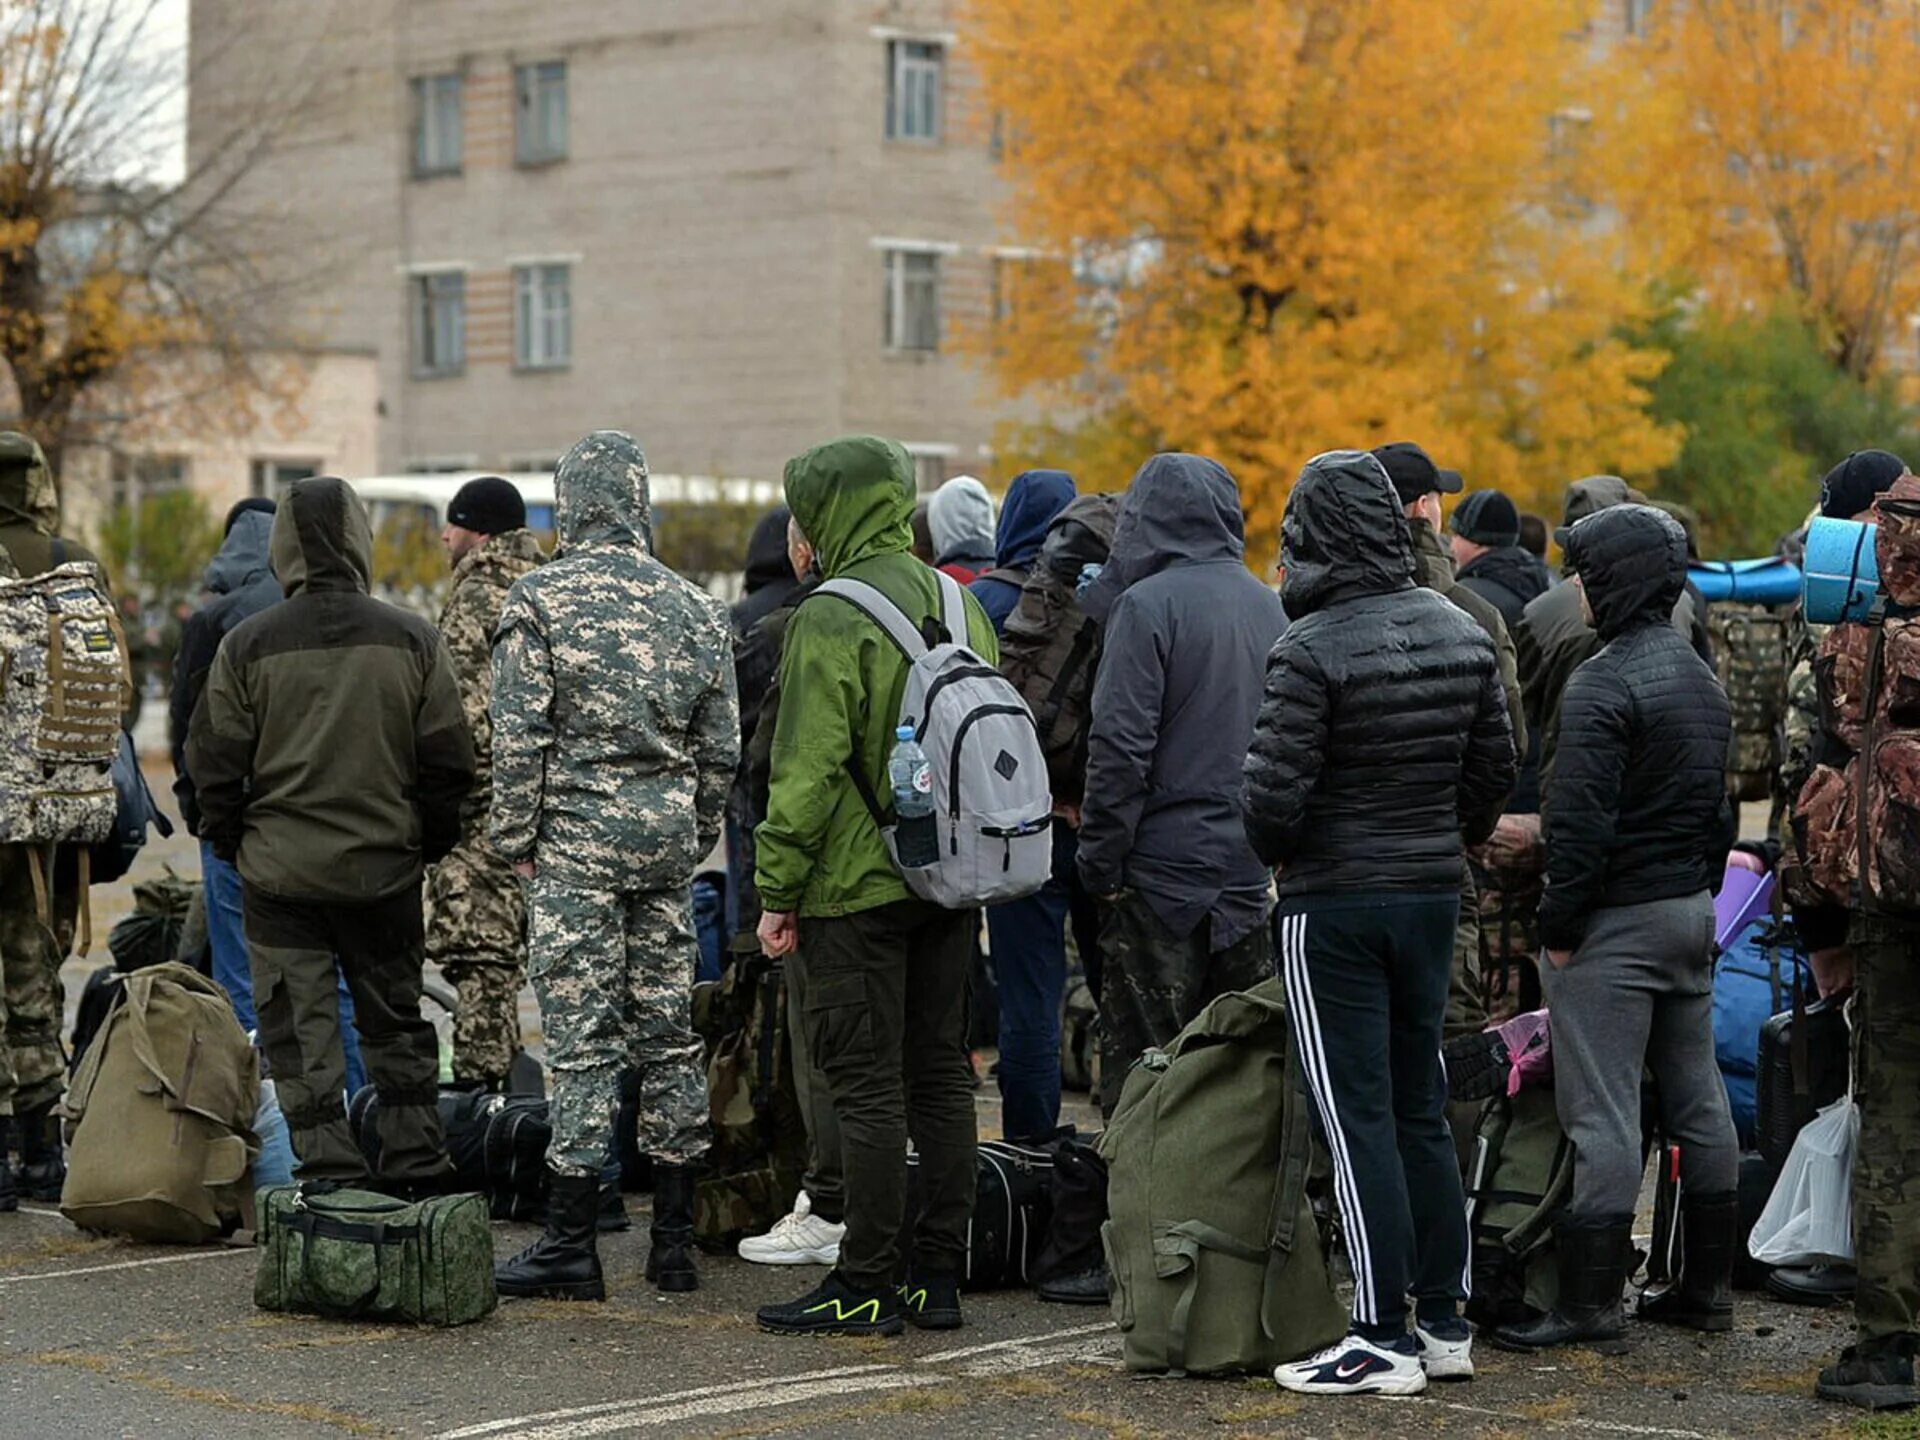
column 960, row 516
column 1180, row 681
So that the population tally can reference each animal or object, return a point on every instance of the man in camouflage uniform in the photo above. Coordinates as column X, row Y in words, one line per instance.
column 477, row 911
column 615, row 736
column 33, row 1067
column 1862, row 671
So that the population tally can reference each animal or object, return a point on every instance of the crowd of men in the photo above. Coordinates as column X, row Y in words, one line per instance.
column 1419, row 754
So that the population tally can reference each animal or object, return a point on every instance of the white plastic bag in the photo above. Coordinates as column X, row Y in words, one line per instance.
column 1808, row 1219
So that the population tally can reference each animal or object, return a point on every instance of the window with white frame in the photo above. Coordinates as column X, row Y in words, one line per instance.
column 139, row 478
column 543, row 316
column 272, row 478
column 439, row 323
column 914, row 77
column 540, row 112
column 912, row 315
column 929, row 468
column 439, row 138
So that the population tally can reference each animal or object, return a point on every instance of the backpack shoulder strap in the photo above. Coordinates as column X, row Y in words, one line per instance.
column 953, row 606
column 872, row 602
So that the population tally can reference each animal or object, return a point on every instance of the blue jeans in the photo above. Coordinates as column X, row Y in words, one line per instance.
column 1029, row 942
column 233, row 971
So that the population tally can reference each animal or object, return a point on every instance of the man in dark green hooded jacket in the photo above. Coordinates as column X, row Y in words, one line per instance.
column 881, row 977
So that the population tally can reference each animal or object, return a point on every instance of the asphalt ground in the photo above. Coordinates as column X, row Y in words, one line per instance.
column 101, row 1337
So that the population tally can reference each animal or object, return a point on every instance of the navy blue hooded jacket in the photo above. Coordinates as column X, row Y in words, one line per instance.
column 1034, row 501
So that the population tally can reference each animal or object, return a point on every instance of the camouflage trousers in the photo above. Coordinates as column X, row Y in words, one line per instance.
column 613, row 972
column 33, row 1067
column 477, row 935
column 1886, row 1162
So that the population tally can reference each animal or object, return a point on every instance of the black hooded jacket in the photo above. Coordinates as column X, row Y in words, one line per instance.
column 1384, row 736
column 1174, row 701
column 1507, row 578
column 1637, row 806
column 770, row 586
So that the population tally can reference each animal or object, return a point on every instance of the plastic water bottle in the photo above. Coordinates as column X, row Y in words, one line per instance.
column 916, row 835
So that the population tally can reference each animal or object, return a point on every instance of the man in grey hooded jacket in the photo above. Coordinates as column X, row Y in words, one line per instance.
column 1162, row 843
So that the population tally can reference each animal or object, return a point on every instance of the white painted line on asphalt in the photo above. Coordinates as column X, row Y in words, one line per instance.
column 515, row 1422
column 43, row 1214
column 1597, row 1427
column 123, row 1265
column 1021, row 1342
column 764, row 1398
column 1105, row 1351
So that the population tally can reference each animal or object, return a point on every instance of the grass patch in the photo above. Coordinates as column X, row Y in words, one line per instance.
column 1111, row 1425
column 1274, row 1409
column 1561, row 1407
column 1905, row 1426
column 201, row 1395
column 57, row 1247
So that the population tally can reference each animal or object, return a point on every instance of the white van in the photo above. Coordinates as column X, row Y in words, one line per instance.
column 424, row 498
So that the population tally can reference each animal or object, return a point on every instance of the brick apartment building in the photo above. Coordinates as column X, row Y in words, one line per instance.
column 733, row 227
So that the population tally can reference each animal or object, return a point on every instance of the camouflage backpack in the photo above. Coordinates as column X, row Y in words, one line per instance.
column 66, row 681
column 1750, row 645
column 752, row 1172
column 1051, row 647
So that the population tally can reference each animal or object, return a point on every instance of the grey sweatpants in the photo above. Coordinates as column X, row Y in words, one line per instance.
column 1639, row 993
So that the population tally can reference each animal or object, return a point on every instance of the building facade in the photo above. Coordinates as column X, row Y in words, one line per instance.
column 732, row 227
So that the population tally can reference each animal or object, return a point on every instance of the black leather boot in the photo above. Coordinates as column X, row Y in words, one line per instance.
column 1702, row 1299
column 564, row 1263
column 1595, row 1258
column 9, row 1194
column 43, row 1161
column 670, row 1261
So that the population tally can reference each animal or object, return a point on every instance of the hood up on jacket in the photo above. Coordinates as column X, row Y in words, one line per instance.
column 1034, row 501
column 1632, row 562
column 1896, row 541
column 1180, row 509
column 601, row 495
column 321, row 539
column 27, row 493
column 854, row 499
column 245, row 555
column 767, row 562
column 1521, row 571
column 1589, row 497
column 1080, row 535
column 960, row 514
column 1344, row 534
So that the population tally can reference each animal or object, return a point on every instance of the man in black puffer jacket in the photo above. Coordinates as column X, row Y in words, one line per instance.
column 1382, row 740
column 1638, row 828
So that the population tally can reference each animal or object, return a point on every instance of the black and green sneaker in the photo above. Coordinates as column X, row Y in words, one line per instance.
column 931, row 1302
column 835, row 1308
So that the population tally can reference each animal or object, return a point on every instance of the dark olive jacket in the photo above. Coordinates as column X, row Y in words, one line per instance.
column 329, row 749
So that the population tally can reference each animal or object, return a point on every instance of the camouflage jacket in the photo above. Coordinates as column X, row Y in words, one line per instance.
column 467, row 624
column 616, row 729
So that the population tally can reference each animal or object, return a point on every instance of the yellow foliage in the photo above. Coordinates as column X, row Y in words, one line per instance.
column 1771, row 148
column 1281, row 226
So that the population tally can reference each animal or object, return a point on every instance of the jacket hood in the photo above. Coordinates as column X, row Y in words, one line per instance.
column 1344, row 534
column 854, row 499
column 321, row 539
column 1033, row 501
column 27, row 493
column 767, row 562
column 1180, row 509
column 1594, row 494
column 1632, row 562
column 1521, row 571
column 1896, row 541
column 1432, row 557
column 960, row 515
column 505, row 556
column 1080, row 535
column 244, row 556
column 601, row 495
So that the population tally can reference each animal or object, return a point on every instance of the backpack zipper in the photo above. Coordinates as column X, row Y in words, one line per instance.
column 962, row 672
column 953, row 767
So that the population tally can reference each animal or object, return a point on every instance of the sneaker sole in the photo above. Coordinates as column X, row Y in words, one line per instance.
column 792, row 1257
column 580, row 1290
column 936, row 1320
column 890, row 1327
column 1449, row 1372
column 1870, row 1397
column 1397, row 1389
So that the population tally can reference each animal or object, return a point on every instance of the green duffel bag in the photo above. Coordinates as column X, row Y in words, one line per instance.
column 355, row 1255
column 1211, row 1240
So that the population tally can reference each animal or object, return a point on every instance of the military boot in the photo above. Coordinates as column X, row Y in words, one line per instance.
column 43, row 1161
column 1703, row 1297
column 1595, row 1258
column 9, row 1194
column 670, row 1261
column 564, row 1263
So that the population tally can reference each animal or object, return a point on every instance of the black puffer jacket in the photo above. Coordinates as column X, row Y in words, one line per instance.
column 1384, row 733
column 1637, row 807
column 1507, row 578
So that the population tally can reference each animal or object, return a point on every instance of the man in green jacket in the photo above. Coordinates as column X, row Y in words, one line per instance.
column 885, row 975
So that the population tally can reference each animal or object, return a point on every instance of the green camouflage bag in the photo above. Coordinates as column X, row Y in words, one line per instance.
column 1215, row 1255
column 759, row 1153
column 1750, row 652
column 355, row 1255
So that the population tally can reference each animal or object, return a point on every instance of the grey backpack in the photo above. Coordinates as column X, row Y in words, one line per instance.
column 992, row 808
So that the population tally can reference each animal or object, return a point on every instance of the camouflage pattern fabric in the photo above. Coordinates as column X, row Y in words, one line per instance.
column 1886, row 1165
column 1750, row 645
column 616, row 730
column 33, row 1067
column 1799, row 738
column 614, row 972
column 1510, row 877
column 467, row 624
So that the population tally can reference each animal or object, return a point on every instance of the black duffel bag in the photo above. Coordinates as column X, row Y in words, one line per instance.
column 1012, row 1212
column 498, row 1145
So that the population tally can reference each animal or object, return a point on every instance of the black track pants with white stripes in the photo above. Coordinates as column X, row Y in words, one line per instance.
column 1366, row 982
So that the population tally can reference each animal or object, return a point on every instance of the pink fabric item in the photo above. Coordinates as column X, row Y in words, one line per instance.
column 1529, row 1043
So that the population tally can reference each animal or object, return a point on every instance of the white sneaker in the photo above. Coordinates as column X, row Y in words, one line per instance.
column 1354, row 1366
column 801, row 1238
column 1445, row 1359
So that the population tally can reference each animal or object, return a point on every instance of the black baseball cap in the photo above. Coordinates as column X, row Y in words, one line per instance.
column 488, row 505
column 1413, row 472
column 1857, row 481
column 1486, row 517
